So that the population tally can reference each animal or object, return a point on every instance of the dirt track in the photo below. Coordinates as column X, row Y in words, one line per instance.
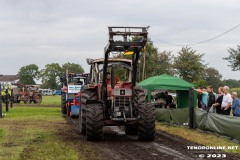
column 116, row 145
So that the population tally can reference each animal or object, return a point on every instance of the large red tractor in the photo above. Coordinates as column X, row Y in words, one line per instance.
column 111, row 103
column 27, row 94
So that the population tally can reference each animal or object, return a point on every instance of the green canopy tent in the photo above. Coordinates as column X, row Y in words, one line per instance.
column 169, row 83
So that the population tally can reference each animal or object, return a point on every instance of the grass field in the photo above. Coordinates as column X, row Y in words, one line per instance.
column 28, row 132
column 51, row 100
column 198, row 137
column 37, row 133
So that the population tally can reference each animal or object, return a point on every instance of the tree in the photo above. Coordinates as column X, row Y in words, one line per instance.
column 72, row 67
column 165, row 63
column 149, row 60
column 212, row 77
column 231, row 83
column 188, row 65
column 28, row 73
column 234, row 58
column 51, row 75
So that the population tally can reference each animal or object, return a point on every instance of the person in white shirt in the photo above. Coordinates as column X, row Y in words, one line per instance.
column 226, row 102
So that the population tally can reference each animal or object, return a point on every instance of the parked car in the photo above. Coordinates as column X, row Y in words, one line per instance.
column 57, row 92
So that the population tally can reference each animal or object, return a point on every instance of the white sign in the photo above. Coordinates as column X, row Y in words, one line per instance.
column 74, row 88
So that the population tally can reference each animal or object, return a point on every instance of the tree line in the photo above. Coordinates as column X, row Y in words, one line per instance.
column 49, row 76
column 188, row 64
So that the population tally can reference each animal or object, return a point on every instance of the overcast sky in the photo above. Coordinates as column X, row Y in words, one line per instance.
column 60, row 31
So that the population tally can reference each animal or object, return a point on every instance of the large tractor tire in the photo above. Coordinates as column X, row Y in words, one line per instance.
column 37, row 98
column 139, row 98
column 68, row 107
column 15, row 99
column 85, row 95
column 63, row 103
column 146, row 123
column 26, row 99
column 94, row 121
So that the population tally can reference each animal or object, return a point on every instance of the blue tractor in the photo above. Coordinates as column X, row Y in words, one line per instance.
column 71, row 85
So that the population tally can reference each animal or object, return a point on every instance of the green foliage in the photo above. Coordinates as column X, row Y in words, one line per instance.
column 51, row 75
column 231, row 83
column 28, row 73
column 72, row 68
column 235, row 90
column 165, row 64
column 234, row 58
column 188, row 64
column 200, row 83
column 212, row 77
column 155, row 63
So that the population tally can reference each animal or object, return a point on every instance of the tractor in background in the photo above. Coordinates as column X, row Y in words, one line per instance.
column 71, row 85
column 27, row 94
column 106, row 102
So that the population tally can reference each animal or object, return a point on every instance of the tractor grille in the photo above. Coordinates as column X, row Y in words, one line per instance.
column 122, row 101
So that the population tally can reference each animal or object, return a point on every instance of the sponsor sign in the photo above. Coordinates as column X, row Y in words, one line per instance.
column 74, row 88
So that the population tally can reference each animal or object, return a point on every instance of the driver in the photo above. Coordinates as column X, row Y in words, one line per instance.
column 109, row 79
column 79, row 82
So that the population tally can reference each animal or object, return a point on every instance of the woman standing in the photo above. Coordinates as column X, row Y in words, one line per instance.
column 218, row 103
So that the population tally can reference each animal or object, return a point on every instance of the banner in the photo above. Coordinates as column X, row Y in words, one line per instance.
column 221, row 124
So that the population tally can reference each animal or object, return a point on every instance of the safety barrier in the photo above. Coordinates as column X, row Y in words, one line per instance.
column 221, row 124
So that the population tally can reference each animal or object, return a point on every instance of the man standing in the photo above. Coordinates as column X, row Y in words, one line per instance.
column 199, row 98
column 169, row 100
column 227, row 101
column 204, row 94
column 211, row 97
column 235, row 105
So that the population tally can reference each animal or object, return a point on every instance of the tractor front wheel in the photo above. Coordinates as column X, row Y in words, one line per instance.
column 85, row 95
column 63, row 103
column 146, row 124
column 94, row 121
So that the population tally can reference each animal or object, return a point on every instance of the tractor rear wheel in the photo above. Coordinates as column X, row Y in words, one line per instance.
column 37, row 98
column 63, row 103
column 94, row 121
column 146, row 124
column 68, row 107
column 85, row 95
column 26, row 99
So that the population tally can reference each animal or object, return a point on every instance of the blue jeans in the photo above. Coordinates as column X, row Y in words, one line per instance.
column 236, row 115
column 203, row 105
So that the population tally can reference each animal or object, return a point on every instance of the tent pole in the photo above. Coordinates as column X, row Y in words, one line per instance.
column 191, row 107
column 149, row 95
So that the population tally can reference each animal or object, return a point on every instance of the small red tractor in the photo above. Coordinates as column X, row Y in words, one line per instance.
column 27, row 94
column 122, row 103
column 71, row 85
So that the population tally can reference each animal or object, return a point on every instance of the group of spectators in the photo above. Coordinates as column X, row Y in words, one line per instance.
column 223, row 103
